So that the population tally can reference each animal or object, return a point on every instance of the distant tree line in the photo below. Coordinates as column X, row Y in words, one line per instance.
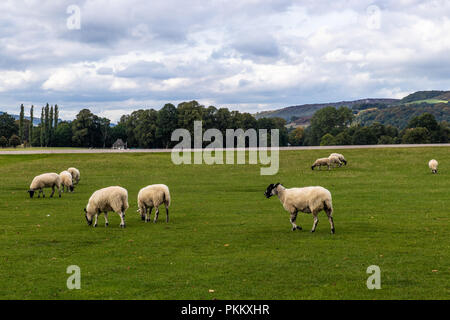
column 144, row 128
column 331, row 126
column 149, row 128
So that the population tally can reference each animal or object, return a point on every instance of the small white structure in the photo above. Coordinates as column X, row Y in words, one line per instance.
column 119, row 145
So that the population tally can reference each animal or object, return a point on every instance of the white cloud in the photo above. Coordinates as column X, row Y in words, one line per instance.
column 247, row 55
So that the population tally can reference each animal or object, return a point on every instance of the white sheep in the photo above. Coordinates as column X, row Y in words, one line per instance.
column 321, row 162
column 307, row 200
column 75, row 175
column 153, row 196
column 66, row 180
column 433, row 164
column 340, row 157
column 335, row 160
column 105, row 200
column 45, row 180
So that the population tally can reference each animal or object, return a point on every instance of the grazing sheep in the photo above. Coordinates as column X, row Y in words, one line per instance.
column 340, row 157
column 307, row 200
column 153, row 196
column 321, row 162
column 335, row 160
column 75, row 175
column 105, row 200
column 66, row 180
column 46, row 180
column 433, row 164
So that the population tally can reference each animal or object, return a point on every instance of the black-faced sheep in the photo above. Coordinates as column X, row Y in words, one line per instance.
column 46, row 180
column 153, row 196
column 307, row 200
column 105, row 200
column 433, row 164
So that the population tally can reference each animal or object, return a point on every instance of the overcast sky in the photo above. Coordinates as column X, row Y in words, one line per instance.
column 245, row 55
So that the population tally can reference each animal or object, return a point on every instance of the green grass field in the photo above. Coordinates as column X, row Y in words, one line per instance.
column 224, row 235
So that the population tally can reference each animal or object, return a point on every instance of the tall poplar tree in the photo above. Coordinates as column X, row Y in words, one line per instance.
column 47, row 126
column 21, row 134
column 30, row 130
column 42, row 137
column 56, row 115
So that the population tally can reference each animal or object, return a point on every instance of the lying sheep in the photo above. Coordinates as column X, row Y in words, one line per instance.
column 433, row 164
column 340, row 157
column 46, row 180
column 307, row 199
column 321, row 162
column 66, row 181
column 105, row 200
column 335, row 160
column 153, row 196
column 75, row 175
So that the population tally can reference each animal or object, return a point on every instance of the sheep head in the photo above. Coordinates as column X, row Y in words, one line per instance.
column 89, row 222
column 270, row 191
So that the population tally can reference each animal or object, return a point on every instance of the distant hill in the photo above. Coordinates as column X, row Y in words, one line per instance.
column 306, row 111
column 386, row 111
column 36, row 121
column 400, row 115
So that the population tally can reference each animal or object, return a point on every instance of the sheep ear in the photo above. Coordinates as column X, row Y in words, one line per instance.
column 277, row 185
column 85, row 210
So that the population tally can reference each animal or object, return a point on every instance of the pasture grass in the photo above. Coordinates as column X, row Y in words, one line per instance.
column 224, row 235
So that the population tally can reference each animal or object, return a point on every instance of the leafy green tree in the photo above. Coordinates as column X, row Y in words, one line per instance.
column 296, row 136
column 328, row 120
column 166, row 123
column 63, row 135
column 14, row 141
column 328, row 140
column 104, row 124
column 386, row 140
column 8, row 127
column 3, row 141
column 188, row 112
column 86, row 130
column 363, row 136
column 223, row 120
column 416, row 135
column 343, row 138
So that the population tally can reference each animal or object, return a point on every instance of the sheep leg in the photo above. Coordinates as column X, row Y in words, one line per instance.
column 39, row 193
column 122, row 219
column 156, row 214
column 95, row 222
column 53, row 191
column 167, row 214
column 293, row 218
column 143, row 212
column 106, row 219
column 148, row 217
column 329, row 213
column 59, row 190
column 316, row 220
